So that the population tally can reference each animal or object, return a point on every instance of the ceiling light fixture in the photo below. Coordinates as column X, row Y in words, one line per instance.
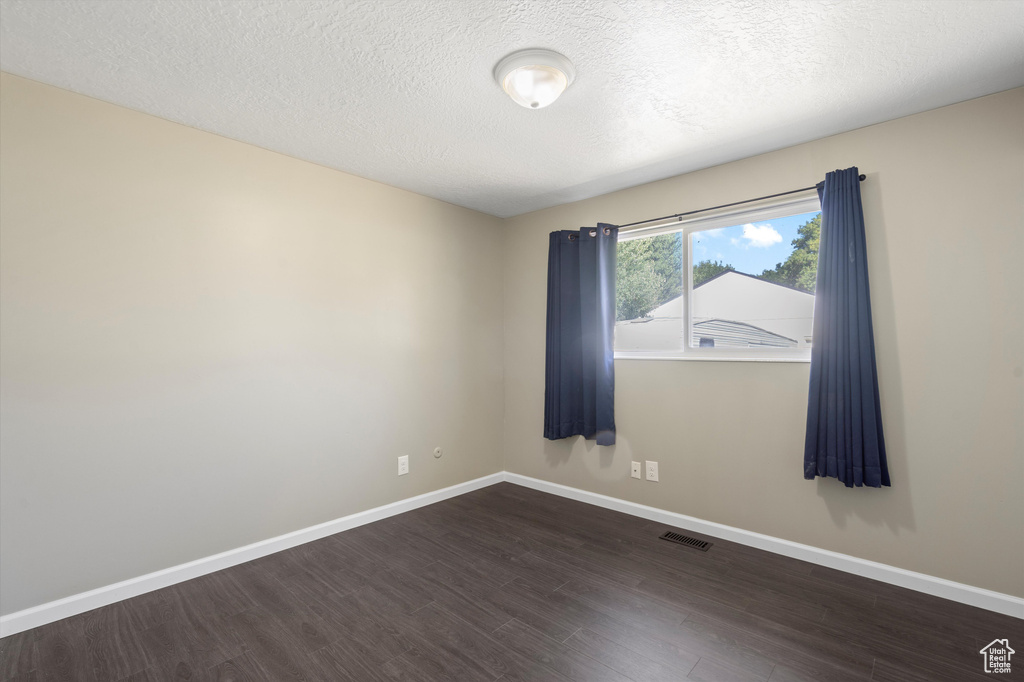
column 534, row 78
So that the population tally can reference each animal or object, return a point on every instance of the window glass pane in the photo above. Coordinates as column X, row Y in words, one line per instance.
column 649, row 293
column 753, row 284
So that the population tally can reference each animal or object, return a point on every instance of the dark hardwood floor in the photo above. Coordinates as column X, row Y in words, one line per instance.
column 512, row 584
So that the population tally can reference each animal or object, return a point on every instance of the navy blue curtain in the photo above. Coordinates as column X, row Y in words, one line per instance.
column 844, row 418
column 579, row 390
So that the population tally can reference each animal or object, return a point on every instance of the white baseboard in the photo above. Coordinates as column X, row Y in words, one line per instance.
column 939, row 587
column 93, row 599
column 86, row 601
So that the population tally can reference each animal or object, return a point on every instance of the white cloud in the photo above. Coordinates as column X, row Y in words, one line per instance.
column 713, row 234
column 760, row 236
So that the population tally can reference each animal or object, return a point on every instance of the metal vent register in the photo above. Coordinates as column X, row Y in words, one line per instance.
column 681, row 539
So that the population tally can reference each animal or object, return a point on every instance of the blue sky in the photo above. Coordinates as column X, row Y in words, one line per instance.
column 750, row 248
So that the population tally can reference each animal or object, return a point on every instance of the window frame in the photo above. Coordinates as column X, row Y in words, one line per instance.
column 765, row 211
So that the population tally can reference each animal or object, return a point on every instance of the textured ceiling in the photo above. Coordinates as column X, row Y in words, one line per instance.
column 401, row 91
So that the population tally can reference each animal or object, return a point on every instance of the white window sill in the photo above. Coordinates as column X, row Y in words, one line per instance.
column 624, row 355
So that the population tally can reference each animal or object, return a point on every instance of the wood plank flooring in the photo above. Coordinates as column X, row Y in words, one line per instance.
column 509, row 584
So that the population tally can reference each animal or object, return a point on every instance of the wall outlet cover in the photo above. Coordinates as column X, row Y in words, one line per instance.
column 403, row 465
column 652, row 470
column 635, row 471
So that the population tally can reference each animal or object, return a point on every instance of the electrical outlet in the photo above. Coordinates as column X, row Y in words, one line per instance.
column 652, row 470
column 635, row 473
column 403, row 465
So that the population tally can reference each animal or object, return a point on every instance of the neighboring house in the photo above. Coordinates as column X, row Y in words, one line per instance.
column 730, row 310
column 732, row 334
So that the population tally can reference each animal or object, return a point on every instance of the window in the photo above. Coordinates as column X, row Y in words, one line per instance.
column 730, row 286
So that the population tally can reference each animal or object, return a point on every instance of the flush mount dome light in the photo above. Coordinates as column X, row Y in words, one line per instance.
column 534, row 78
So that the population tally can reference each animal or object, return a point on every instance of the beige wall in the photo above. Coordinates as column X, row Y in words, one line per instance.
column 205, row 344
column 944, row 205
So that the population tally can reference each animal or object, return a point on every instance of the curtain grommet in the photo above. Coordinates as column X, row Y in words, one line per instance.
column 593, row 233
column 572, row 237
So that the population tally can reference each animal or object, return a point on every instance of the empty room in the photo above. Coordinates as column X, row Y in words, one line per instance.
column 533, row 340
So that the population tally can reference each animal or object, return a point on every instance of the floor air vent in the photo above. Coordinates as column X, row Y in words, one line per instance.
column 685, row 540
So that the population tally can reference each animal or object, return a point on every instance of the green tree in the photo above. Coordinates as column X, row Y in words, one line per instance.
column 707, row 269
column 800, row 270
column 648, row 274
column 668, row 264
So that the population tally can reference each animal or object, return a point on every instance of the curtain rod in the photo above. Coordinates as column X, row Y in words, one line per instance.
column 861, row 177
